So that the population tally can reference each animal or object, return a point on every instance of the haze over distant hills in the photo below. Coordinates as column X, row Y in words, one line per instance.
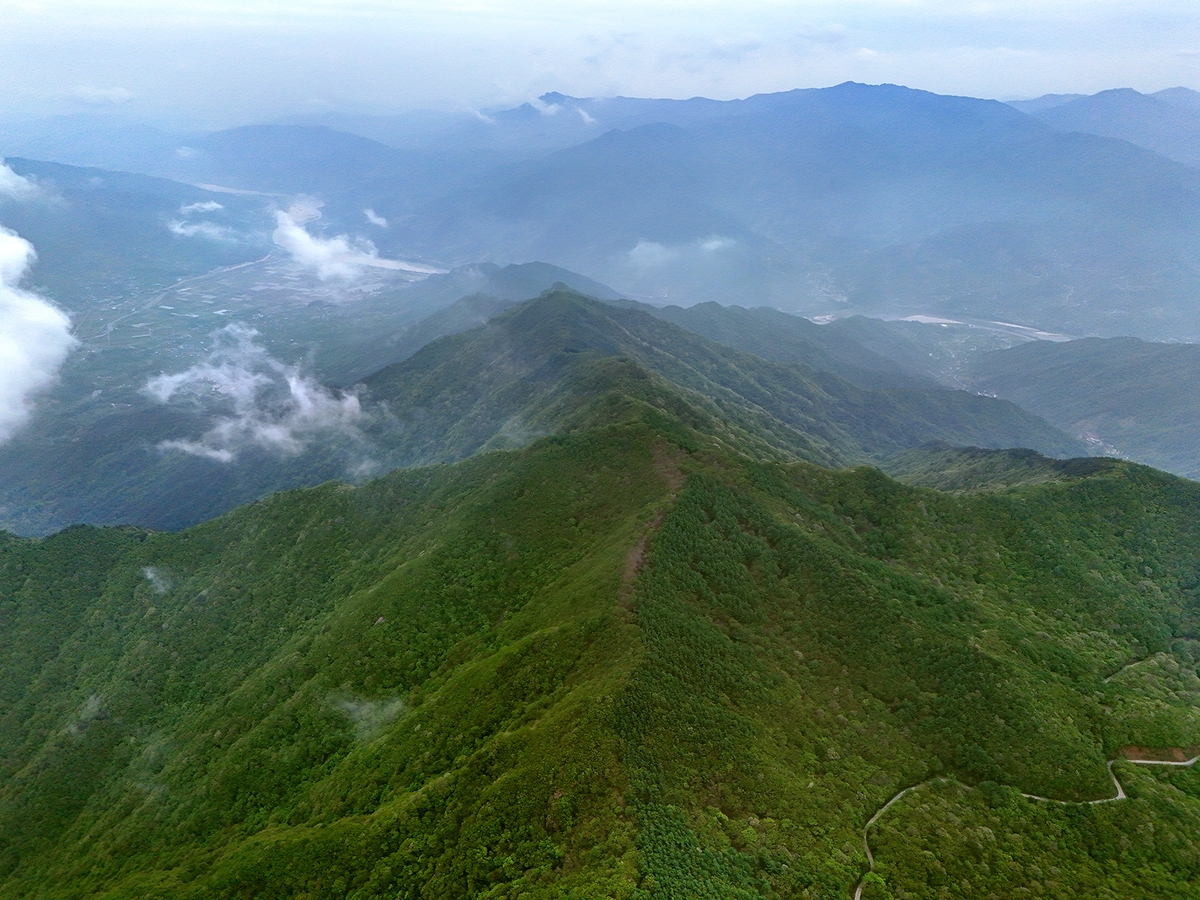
column 851, row 199
column 1139, row 399
column 103, row 232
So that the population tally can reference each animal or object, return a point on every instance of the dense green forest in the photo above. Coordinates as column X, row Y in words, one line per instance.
column 649, row 654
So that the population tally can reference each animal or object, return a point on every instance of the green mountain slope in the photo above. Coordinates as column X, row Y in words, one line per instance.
column 973, row 470
column 871, row 353
column 491, row 385
column 1138, row 398
column 628, row 660
column 782, row 337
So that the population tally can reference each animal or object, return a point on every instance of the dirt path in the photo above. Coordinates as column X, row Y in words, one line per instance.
column 668, row 469
column 636, row 557
column 858, row 888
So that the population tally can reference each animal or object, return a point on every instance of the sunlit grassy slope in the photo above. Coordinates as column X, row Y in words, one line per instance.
column 643, row 656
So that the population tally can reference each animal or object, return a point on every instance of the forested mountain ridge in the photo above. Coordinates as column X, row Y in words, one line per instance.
column 518, row 376
column 636, row 658
column 491, row 386
column 362, row 558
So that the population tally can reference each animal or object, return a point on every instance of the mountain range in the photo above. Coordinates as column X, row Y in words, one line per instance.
column 356, row 555
column 871, row 199
column 1136, row 398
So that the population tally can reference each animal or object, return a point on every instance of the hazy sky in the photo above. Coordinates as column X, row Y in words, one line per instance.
column 221, row 62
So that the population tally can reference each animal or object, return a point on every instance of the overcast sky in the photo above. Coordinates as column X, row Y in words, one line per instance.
column 221, row 62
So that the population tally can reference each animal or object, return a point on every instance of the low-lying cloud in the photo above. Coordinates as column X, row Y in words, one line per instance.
column 648, row 255
column 208, row 230
column 369, row 717
column 14, row 186
column 158, row 581
column 202, row 206
column 374, row 218
column 92, row 709
column 35, row 335
column 260, row 402
column 335, row 257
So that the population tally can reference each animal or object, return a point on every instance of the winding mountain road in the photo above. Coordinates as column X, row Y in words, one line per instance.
column 858, row 888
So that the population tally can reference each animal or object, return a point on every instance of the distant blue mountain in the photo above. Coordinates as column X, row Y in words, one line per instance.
column 1167, row 122
column 873, row 199
column 854, row 198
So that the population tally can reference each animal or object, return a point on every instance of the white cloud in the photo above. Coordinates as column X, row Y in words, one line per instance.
column 648, row 255
column 158, row 581
column 331, row 257
column 93, row 94
column 265, row 403
column 203, row 206
column 583, row 114
column 14, row 186
column 651, row 255
column 374, row 218
column 92, row 709
column 336, row 257
column 35, row 335
column 370, row 717
column 715, row 243
column 201, row 229
column 546, row 109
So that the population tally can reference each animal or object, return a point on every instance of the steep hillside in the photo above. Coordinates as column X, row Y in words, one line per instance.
column 1137, row 398
column 782, row 337
column 624, row 661
column 973, row 470
column 872, row 353
column 479, row 384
